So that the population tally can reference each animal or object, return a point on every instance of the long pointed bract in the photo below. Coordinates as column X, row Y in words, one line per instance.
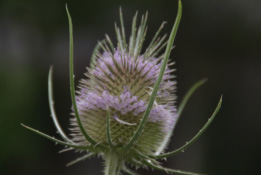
column 162, row 156
column 180, row 109
column 188, row 95
column 51, row 104
column 80, row 159
column 158, row 81
column 168, row 170
column 93, row 142
column 56, row 140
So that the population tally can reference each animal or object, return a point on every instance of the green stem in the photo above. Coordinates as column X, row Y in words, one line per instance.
column 113, row 164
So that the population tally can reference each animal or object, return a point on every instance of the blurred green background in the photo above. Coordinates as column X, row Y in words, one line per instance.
column 219, row 40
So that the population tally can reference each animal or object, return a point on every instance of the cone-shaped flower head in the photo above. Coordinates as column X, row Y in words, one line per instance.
column 121, row 81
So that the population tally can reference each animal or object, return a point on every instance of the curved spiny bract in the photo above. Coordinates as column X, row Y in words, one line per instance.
column 72, row 87
column 201, row 131
column 51, row 104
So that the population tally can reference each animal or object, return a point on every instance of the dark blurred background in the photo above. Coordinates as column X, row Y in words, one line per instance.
column 219, row 40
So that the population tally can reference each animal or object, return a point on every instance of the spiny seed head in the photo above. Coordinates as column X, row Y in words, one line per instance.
column 121, row 81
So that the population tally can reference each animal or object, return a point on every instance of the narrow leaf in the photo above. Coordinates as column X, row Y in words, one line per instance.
column 51, row 104
column 180, row 109
column 188, row 95
column 158, row 81
column 168, row 170
column 162, row 156
column 72, row 83
column 85, row 147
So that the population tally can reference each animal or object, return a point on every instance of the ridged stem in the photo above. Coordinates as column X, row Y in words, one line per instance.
column 113, row 164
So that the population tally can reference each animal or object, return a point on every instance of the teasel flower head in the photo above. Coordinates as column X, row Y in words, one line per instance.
column 120, row 83
column 125, row 108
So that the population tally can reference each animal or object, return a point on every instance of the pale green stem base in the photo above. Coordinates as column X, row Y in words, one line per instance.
column 113, row 164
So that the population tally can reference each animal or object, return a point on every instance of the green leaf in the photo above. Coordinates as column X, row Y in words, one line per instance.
column 168, row 170
column 158, row 81
column 88, row 138
column 188, row 95
column 182, row 148
column 51, row 103
column 84, row 147
column 180, row 109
